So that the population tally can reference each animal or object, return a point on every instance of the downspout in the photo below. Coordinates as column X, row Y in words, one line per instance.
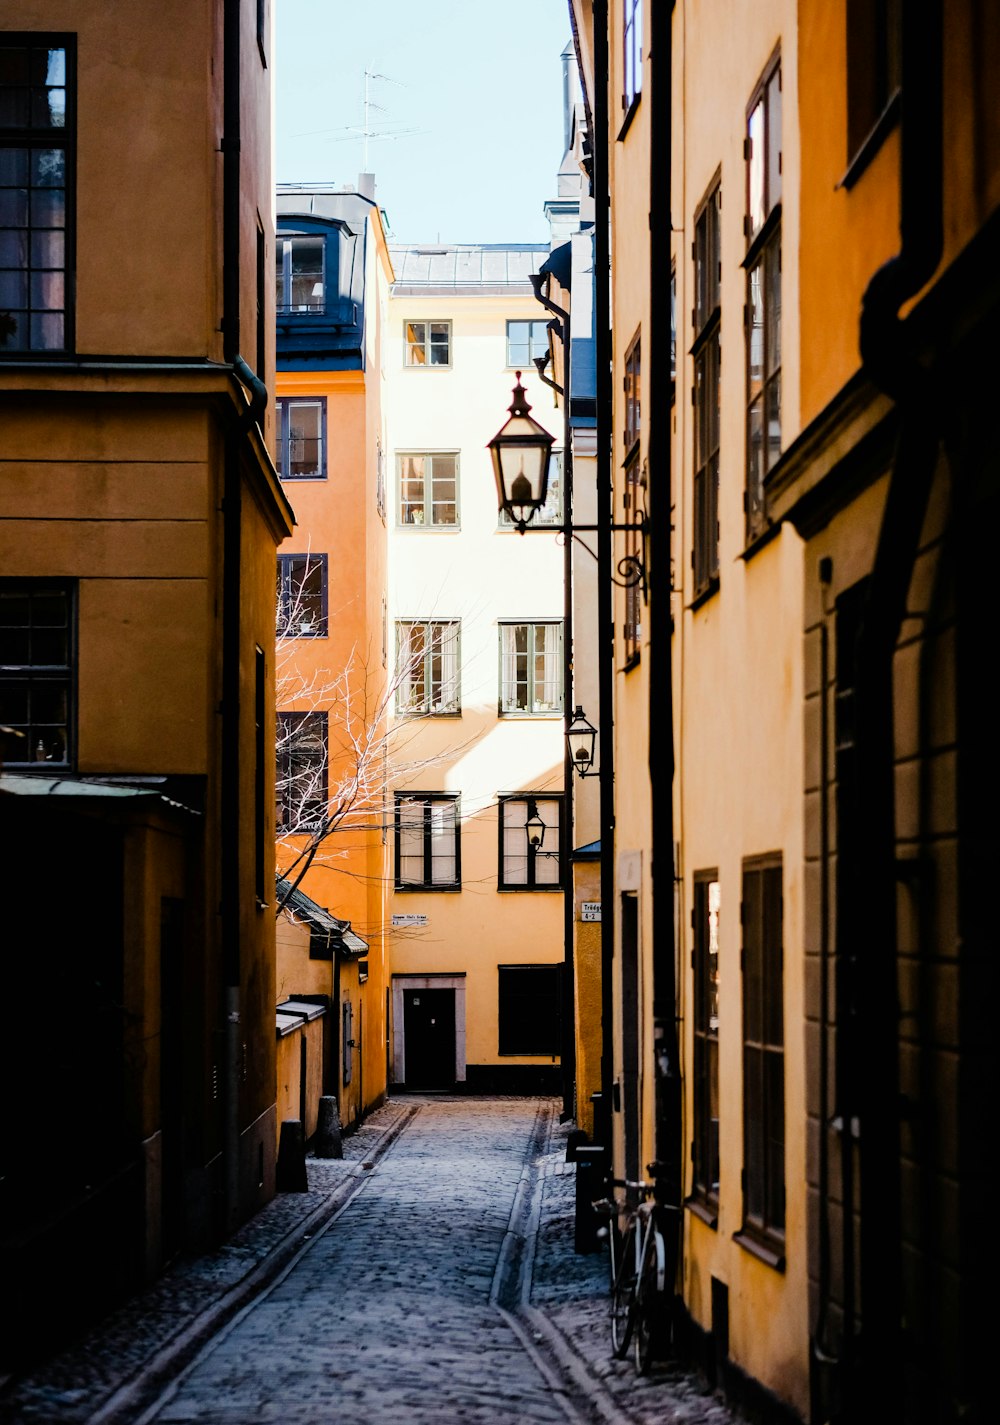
column 892, row 364
column 231, row 593
column 661, row 729
column 568, row 1041
column 605, row 611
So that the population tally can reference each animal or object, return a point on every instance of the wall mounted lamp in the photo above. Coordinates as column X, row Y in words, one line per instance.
column 534, row 825
column 521, row 451
column 581, row 738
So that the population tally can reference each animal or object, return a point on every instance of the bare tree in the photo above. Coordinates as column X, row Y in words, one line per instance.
column 339, row 744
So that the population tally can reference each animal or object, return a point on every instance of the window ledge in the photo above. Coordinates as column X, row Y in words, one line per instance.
column 706, row 1212
column 770, row 1253
column 414, row 713
column 759, row 540
column 709, row 592
column 871, row 144
column 529, row 890
column 629, row 116
column 426, row 890
column 429, row 528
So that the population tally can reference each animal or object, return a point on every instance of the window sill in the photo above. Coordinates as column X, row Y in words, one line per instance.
column 429, row 528
column 426, row 890
column 759, row 540
column 709, row 592
column 551, row 1054
column 294, row 479
column 426, row 366
column 529, row 890
column 541, row 716
column 771, row 1253
column 629, row 116
column 705, row 1211
column 871, row 144
column 426, row 712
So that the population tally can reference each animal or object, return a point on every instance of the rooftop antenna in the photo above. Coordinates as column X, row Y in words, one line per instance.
column 368, row 131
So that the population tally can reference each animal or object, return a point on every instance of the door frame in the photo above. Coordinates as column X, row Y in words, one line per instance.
column 400, row 983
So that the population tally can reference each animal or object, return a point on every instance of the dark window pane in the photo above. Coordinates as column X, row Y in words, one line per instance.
column 48, row 249
column 15, row 108
column 13, row 249
column 49, row 647
column 13, row 167
column 13, row 289
column 14, row 207
column 47, row 333
column 13, row 331
column 14, row 707
column 47, row 291
column 48, row 208
column 48, row 168
column 13, row 65
column 15, row 646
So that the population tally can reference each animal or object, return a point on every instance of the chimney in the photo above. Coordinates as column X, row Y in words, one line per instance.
column 366, row 185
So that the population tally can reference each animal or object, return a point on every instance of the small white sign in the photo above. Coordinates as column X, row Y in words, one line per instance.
column 590, row 910
column 409, row 920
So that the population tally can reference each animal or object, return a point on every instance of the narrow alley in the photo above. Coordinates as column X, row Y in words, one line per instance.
column 443, row 1288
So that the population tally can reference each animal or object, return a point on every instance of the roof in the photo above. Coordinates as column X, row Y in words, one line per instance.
column 488, row 269
column 83, row 789
column 339, row 932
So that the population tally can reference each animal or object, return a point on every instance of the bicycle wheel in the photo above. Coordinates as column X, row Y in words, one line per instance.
column 650, row 1301
column 623, row 1295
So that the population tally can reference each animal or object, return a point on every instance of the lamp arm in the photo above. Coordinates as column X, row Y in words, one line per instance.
column 630, row 566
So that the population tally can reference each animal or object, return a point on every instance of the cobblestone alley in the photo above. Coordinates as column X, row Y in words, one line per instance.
column 444, row 1288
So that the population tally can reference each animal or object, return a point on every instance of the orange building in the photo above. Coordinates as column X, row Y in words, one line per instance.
column 139, row 515
column 333, row 271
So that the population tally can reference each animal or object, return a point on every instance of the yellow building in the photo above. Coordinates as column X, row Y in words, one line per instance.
column 832, row 473
column 140, row 515
column 333, row 272
column 476, row 621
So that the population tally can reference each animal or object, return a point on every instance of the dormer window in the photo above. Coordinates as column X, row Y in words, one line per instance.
column 300, row 275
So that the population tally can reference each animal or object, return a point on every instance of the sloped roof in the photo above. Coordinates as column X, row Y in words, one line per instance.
column 483, row 267
column 342, row 937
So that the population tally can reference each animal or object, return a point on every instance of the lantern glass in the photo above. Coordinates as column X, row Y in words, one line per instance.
column 534, row 826
column 521, row 451
column 582, row 738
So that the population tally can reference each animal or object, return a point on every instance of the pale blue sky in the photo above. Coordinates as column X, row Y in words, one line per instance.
column 478, row 83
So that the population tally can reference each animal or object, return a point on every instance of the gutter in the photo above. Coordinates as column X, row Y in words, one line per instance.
column 568, row 1046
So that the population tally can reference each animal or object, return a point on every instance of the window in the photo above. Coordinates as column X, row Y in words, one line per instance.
column 633, row 394
column 705, row 962
column 301, row 595
column 301, row 781
column 36, row 672
column 529, row 1009
column 525, row 341
column 632, row 47
column 427, row 343
column 531, row 668
column 550, row 515
column 526, row 863
column 707, row 322
column 36, row 135
column 633, row 561
column 261, row 303
column 300, row 277
column 301, row 438
column 874, row 71
column 428, row 490
column 763, row 308
column 673, row 327
column 763, row 1052
column 428, row 845
column 380, row 504
column 427, row 666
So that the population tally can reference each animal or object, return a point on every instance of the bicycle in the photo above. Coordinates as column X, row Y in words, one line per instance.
column 642, row 1259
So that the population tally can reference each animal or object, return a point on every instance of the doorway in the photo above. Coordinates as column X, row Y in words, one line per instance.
column 429, row 1035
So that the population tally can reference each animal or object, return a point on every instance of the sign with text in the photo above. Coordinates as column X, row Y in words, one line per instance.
column 590, row 910
column 402, row 920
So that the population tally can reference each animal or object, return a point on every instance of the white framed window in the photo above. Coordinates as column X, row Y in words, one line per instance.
column 525, row 341
column 301, row 438
column 428, row 843
column 531, row 669
column 427, row 662
column 428, row 490
column 427, row 343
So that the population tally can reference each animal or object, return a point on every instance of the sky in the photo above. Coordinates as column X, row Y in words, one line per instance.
column 472, row 96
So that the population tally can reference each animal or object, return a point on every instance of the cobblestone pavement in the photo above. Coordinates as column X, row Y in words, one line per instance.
column 429, row 1277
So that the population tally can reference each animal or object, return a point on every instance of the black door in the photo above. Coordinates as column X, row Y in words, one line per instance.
column 429, row 1038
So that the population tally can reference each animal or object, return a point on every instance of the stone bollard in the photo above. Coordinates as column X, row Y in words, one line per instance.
column 291, row 1170
column 589, row 1180
column 327, row 1143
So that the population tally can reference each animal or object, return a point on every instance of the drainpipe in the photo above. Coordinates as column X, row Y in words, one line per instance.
column 873, row 1377
column 605, row 611
column 661, row 727
column 568, row 1045
column 231, row 591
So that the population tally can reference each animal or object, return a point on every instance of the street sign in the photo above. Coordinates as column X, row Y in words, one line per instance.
column 590, row 910
column 409, row 920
